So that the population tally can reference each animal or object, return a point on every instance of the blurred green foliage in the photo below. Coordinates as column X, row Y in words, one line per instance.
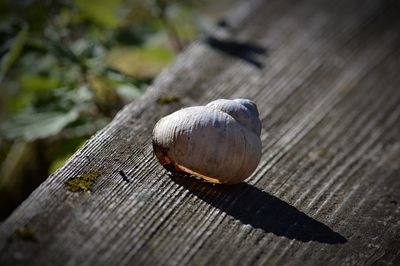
column 66, row 68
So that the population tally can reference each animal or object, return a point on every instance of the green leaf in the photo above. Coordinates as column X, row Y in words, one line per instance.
column 19, row 102
column 102, row 12
column 144, row 62
column 38, row 83
column 58, row 49
column 128, row 92
column 57, row 163
column 63, row 150
column 37, row 125
column 15, row 49
column 183, row 20
column 85, row 126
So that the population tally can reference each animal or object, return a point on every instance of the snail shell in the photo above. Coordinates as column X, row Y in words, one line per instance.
column 219, row 142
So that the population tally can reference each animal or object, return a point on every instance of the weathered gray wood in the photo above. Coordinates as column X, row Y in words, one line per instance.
column 326, row 191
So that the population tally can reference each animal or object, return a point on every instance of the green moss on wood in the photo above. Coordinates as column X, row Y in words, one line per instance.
column 167, row 100
column 83, row 183
column 26, row 234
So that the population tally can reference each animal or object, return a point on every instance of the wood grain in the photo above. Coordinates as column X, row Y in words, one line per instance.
column 325, row 76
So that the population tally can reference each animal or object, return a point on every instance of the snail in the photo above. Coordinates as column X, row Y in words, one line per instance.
column 219, row 142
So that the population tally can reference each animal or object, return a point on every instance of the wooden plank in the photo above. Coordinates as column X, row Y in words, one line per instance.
column 325, row 76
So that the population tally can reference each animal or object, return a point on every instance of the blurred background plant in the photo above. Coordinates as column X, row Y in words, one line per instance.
column 66, row 68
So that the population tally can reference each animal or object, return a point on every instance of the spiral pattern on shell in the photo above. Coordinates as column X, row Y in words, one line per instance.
column 219, row 142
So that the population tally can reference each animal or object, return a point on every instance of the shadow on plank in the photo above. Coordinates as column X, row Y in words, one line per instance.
column 242, row 50
column 259, row 209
